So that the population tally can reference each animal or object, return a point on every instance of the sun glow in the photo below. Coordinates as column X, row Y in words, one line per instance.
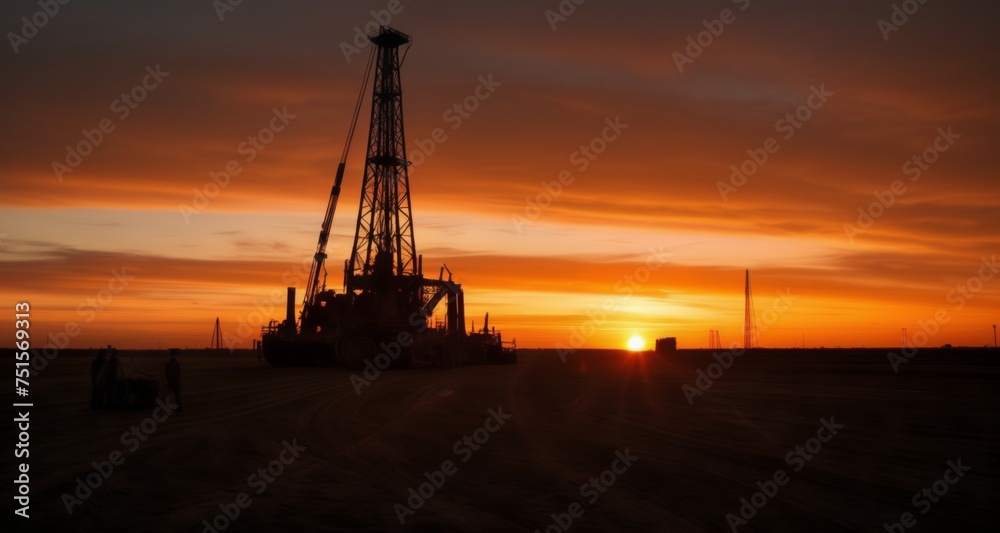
column 636, row 343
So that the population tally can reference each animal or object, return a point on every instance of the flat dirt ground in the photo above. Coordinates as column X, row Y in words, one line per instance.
column 566, row 422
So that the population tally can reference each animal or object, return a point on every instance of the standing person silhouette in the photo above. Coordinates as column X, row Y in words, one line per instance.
column 173, row 372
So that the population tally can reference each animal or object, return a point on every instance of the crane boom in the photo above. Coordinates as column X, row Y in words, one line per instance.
column 313, row 285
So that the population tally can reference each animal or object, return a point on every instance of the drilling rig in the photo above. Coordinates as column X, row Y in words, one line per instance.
column 384, row 311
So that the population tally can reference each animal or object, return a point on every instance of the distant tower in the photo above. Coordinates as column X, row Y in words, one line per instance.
column 217, row 335
column 749, row 329
column 714, row 342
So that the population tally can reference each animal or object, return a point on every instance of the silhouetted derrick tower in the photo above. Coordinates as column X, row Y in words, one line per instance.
column 217, row 335
column 386, row 299
column 749, row 328
column 384, row 253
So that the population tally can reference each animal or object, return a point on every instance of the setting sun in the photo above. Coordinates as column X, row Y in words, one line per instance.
column 635, row 343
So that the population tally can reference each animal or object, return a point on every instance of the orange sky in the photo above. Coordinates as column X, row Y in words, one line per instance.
column 543, row 275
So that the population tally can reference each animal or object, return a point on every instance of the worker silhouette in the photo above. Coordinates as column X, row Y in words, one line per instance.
column 97, row 386
column 173, row 372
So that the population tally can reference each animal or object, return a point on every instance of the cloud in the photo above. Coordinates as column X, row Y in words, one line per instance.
column 657, row 184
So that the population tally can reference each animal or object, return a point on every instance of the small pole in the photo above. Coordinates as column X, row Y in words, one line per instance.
column 994, row 336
